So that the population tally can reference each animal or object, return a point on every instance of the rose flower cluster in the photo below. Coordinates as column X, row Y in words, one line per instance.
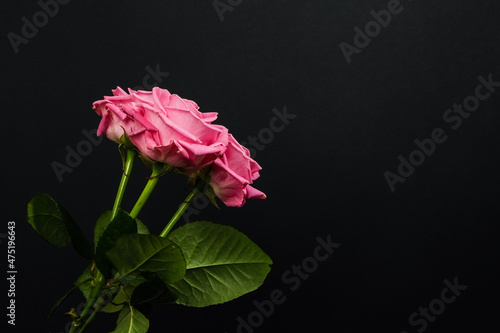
column 166, row 128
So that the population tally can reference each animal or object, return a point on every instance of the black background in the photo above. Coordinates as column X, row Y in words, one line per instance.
column 323, row 174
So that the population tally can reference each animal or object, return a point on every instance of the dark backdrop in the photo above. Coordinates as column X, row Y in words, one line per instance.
column 355, row 106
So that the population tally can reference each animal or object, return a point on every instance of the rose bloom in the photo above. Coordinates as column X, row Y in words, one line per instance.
column 232, row 174
column 163, row 127
column 169, row 129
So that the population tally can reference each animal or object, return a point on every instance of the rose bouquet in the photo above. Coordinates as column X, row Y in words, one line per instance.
column 199, row 264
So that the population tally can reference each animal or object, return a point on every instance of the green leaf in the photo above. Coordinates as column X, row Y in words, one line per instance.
column 141, row 228
column 152, row 291
column 136, row 253
column 131, row 320
column 46, row 218
column 112, row 308
column 83, row 282
column 122, row 224
column 121, row 299
column 103, row 222
column 101, row 225
column 221, row 264
column 53, row 223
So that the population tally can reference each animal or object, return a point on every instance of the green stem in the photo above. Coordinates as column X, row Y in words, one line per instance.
column 73, row 328
column 182, row 208
column 93, row 314
column 127, row 169
column 96, row 290
column 158, row 169
column 99, row 279
column 88, row 321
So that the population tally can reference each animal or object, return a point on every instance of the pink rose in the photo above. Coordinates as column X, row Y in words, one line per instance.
column 232, row 174
column 163, row 127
